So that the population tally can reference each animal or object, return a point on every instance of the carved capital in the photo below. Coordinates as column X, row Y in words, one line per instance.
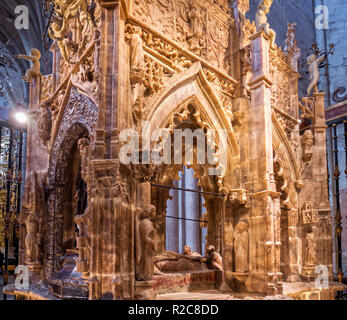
column 238, row 197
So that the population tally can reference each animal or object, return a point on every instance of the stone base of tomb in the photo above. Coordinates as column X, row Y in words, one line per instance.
column 144, row 290
column 187, row 281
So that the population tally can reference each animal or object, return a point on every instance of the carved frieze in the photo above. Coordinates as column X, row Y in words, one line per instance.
column 199, row 26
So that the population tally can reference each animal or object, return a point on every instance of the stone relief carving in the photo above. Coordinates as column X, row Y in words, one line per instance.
column 241, row 245
column 197, row 25
column 310, row 249
column 309, row 214
column 307, row 144
column 44, row 123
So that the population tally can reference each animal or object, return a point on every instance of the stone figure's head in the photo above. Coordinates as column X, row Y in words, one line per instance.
column 82, row 143
column 210, row 249
column 187, row 250
column 242, row 226
column 36, row 53
column 148, row 212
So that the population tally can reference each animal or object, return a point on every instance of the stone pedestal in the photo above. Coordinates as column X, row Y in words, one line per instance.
column 35, row 272
column 144, row 290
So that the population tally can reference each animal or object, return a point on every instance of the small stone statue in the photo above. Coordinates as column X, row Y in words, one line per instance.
column 310, row 250
column 213, row 258
column 32, row 249
column 147, row 244
column 241, row 247
column 137, row 58
column 313, row 69
column 34, row 70
column 44, row 123
column 261, row 21
column 307, row 143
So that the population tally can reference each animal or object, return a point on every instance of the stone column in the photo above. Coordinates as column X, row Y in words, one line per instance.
column 265, row 217
column 319, row 165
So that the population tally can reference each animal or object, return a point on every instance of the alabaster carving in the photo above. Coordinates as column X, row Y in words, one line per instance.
column 310, row 249
column 313, row 69
column 307, row 142
column 34, row 59
column 261, row 21
column 213, row 258
column 147, row 238
column 168, row 262
column 31, row 239
column 137, row 56
column 175, row 64
column 44, row 123
column 241, row 246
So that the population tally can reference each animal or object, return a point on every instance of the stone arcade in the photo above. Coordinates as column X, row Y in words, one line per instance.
column 176, row 64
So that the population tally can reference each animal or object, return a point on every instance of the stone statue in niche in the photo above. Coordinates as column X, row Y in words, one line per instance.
column 44, row 123
column 31, row 240
column 137, row 56
column 241, row 247
column 147, row 244
column 310, row 250
column 213, row 258
column 313, row 69
column 34, row 70
column 261, row 21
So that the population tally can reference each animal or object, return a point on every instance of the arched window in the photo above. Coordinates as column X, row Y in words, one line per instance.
column 183, row 215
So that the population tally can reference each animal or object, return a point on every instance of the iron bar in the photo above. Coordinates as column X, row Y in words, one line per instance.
column 345, row 134
column 188, row 190
column 338, row 217
column 9, row 176
column 186, row 219
column 19, row 189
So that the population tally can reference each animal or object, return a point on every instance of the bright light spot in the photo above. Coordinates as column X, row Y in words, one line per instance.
column 21, row 117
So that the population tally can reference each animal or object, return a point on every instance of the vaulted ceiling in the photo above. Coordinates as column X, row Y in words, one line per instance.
column 15, row 90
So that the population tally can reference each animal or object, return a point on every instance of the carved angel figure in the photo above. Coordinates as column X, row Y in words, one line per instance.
column 34, row 70
column 313, row 69
column 261, row 21
column 147, row 244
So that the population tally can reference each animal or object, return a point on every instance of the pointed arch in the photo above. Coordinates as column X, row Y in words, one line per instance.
column 193, row 87
column 282, row 145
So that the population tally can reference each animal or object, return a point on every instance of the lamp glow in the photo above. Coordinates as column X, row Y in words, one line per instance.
column 21, row 117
